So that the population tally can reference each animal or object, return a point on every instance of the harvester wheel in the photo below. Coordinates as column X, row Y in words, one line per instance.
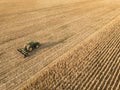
column 37, row 46
column 29, row 48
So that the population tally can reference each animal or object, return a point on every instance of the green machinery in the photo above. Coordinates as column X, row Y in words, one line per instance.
column 29, row 47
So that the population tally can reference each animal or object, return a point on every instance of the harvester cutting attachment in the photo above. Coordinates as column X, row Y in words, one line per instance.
column 23, row 51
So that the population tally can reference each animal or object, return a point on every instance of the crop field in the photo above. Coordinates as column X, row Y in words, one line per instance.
column 80, row 44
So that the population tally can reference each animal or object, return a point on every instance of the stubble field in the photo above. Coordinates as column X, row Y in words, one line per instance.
column 80, row 45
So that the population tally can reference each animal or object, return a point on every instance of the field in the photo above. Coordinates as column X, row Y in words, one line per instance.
column 80, row 44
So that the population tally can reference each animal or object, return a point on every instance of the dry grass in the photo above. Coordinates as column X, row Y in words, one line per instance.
column 66, row 30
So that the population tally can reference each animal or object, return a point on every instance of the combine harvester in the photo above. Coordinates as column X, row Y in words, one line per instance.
column 29, row 47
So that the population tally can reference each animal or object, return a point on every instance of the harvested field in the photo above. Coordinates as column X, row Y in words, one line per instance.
column 80, row 45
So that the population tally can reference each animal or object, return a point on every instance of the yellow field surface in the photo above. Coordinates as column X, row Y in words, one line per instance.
column 80, row 44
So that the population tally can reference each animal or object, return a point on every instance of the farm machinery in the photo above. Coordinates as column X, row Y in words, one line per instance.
column 29, row 47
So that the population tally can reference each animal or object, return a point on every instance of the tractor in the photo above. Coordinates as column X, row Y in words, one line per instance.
column 29, row 47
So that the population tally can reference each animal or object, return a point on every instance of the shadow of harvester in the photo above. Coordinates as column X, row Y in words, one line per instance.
column 46, row 45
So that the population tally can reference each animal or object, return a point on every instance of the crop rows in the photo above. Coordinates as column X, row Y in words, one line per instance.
column 67, row 35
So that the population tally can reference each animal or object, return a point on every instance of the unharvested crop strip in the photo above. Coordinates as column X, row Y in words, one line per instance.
column 93, row 56
column 73, row 69
column 115, row 75
column 116, row 85
column 83, row 70
column 92, row 70
column 113, row 63
column 99, row 73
